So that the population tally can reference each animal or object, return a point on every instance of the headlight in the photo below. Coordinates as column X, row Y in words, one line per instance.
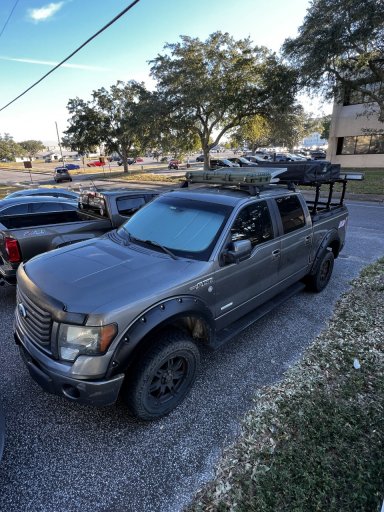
column 75, row 340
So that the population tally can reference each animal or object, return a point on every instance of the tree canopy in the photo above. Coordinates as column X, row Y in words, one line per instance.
column 120, row 119
column 211, row 87
column 32, row 147
column 9, row 149
column 340, row 47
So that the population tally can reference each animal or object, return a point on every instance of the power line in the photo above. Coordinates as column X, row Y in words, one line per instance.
column 9, row 17
column 124, row 11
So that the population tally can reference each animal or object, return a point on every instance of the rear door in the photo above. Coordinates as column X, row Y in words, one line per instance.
column 295, row 226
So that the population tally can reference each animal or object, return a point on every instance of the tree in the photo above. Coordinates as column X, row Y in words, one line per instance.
column 9, row 149
column 255, row 132
column 120, row 119
column 277, row 130
column 325, row 123
column 211, row 87
column 340, row 48
column 32, row 147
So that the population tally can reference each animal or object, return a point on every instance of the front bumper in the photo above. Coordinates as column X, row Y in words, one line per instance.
column 45, row 372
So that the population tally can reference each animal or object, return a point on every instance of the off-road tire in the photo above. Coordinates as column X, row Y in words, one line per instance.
column 163, row 377
column 318, row 281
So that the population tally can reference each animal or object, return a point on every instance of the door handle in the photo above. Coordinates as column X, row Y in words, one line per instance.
column 276, row 253
column 308, row 239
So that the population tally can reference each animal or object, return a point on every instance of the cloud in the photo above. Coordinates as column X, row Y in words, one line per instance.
column 52, row 64
column 46, row 12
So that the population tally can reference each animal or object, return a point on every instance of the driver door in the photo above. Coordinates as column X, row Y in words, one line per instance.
column 240, row 287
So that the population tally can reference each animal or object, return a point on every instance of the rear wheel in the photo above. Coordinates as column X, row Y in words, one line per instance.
column 163, row 377
column 318, row 281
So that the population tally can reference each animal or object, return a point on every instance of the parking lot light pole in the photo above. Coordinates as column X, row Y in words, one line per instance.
column 58, row 140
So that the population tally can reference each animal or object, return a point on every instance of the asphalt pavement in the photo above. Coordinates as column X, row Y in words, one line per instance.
column 63, row 457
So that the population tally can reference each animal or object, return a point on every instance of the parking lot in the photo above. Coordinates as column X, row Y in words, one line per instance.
column 61, row 456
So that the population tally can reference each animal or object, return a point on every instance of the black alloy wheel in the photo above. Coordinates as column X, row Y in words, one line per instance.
column 320, row 279
column 163, row 377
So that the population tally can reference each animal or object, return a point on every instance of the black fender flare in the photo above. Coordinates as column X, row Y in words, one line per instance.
column 330, row 237
column 158, row 316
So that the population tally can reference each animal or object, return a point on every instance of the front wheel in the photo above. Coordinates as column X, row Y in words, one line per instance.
column 163, row 377
column 318, row 281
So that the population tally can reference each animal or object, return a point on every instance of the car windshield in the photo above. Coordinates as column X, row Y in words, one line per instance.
column 188, row 228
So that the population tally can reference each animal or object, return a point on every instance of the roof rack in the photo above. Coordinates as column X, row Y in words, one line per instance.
column 245, row 180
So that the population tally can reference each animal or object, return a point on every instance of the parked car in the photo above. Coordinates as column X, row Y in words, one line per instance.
column 139, row 159
column 95, row 163
column 243, row 162
column 62, row 174
column 32, row 225
column 130, row 161
column 218, row 163
column 200, row 158
column 26, row 204
column 54, row 192
column 174, row 163
column 258, row 159
column 70, row 167
column 318, row 155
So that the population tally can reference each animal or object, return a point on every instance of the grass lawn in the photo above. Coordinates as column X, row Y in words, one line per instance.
column 315, row 441
column 373, row 182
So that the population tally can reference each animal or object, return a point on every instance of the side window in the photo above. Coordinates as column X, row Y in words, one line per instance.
column 253, row 223
column 18, row 209
column 44, row 207
column 292, row 215
column 129, row 205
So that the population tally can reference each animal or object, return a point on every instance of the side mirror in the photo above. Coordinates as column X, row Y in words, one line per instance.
column 237, row 251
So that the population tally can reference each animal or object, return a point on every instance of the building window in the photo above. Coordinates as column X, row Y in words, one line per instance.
column 360, row 145
column 352, row 97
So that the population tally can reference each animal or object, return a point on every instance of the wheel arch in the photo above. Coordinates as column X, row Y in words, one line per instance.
column 332, row 242
column 187, row 314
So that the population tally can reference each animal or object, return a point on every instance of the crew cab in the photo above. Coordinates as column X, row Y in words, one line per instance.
column 127, row 312
column 36, row 224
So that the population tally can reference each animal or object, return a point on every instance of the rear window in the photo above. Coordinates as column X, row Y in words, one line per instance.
column 127, row 206
column 292, row 214
column 93, row 202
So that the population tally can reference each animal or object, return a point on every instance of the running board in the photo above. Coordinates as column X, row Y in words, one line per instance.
column 247, row 320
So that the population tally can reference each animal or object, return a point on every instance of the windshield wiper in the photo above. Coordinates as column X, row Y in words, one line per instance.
column 154, row 244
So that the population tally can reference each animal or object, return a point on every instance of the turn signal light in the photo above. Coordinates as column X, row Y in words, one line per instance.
column 13, row 250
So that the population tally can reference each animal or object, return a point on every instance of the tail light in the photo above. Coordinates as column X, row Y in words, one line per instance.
column 13, row 250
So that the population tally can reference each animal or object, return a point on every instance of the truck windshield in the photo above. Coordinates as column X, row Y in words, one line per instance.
column 188, row 228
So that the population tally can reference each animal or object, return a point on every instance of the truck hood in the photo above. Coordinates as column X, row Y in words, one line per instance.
column 92, row 274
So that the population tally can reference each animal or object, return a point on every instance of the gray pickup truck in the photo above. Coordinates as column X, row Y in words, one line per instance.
column 126, row 313
column 49, row 226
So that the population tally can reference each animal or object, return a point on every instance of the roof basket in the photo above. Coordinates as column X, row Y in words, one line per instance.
column 233, row 177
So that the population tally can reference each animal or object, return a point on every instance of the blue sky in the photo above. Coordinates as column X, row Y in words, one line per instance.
column 39, row 34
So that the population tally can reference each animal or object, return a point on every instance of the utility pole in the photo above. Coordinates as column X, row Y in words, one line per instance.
column 58, row 140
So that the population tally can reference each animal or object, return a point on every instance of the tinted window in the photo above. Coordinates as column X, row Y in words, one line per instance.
column 129, row 205
column 253, row 223
column 45, row 207
column 292, row 215
column 17, row 209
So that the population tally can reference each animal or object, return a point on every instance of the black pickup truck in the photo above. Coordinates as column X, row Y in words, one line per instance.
column 23, row 236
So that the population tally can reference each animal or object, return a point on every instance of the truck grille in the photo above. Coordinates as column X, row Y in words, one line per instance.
column 35, row 323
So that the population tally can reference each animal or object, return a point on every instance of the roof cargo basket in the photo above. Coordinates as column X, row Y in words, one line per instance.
column 248, row 180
